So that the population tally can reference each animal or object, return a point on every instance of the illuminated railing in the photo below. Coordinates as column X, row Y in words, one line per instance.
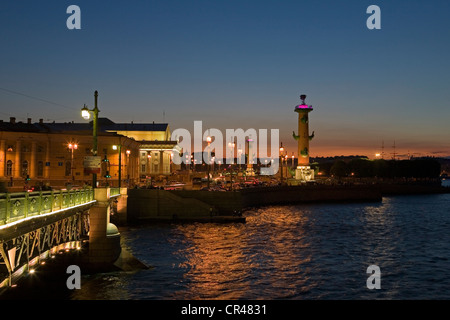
column 114, row 192
column 18, row 206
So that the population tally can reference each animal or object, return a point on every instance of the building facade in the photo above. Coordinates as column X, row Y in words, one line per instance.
column 34, row 154
column 155, row 157
column 53, row 153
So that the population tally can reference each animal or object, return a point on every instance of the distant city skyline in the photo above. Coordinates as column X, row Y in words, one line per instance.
column 238, row 64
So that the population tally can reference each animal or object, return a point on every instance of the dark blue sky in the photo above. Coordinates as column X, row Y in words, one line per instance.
column 238, row 64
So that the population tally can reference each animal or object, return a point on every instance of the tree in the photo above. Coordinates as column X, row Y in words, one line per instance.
column 362, row 168
column 339, row 169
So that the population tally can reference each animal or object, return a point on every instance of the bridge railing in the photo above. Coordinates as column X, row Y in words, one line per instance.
column 114, row 191
column 17, row 206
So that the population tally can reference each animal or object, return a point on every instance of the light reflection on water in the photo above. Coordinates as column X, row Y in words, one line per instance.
column 316, row 251
column 227, row 262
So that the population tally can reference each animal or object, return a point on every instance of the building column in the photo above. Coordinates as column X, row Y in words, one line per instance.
column 150, row 164
column 161, row 162
column 33, row 163
column 18, row 160
column 47, row 160
column 2, row 157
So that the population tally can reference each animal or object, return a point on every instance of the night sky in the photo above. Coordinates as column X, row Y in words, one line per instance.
column 238, row 64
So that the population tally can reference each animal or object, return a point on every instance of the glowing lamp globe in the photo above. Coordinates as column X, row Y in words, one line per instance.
column 85, row 113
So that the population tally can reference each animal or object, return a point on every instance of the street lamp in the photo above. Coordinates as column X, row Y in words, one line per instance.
column 119, row 147
column 281, row 162
column 187, row 163
column 72, row 146
column 86, row 114
column 208, row 139
column 231, row 145
column 285, row 160
column 128, row 152
column 107, row 168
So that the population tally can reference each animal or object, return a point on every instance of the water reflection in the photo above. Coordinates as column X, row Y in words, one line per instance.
column 214, row 260
column 318, row 251
column 110, row 286
column 381, row 240
column 283, row 249
column 228, row 261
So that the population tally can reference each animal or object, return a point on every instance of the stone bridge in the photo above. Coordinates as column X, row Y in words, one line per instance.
column 35, row 226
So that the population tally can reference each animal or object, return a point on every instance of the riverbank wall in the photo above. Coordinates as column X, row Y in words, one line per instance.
column 155, row 205
column 195, row 205
column 389, row 189
column 283, row 195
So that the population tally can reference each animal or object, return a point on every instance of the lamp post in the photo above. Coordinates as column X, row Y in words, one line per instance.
column 119, row 147
column 281, row 162
column 208, row 139
column 240, row 157
column 86, row 114
column 231, row 145
column 72, row 147
column 286, row 162
column 107, row 168
column 128, row 152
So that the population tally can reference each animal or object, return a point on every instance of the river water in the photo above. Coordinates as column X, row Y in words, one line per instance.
column 314, row 251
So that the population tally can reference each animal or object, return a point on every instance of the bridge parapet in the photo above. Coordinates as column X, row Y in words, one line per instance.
column 37, row 224
column 115, row 192
column 18, row 206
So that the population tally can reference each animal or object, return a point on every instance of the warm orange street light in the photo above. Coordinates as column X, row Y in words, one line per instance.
column 281, row 161
column 72, row 146
column 208, row 139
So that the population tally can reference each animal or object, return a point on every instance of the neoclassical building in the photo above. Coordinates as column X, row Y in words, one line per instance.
column 155, row 158
column 54, row 153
